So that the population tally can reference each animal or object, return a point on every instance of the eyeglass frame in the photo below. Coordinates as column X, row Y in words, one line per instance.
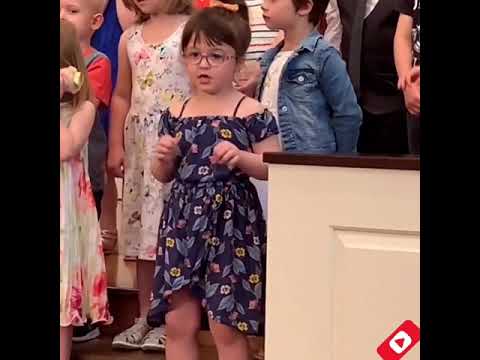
column 205, row 56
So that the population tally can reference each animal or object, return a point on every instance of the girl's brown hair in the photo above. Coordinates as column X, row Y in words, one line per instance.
column 171, row 7
column 220, row 26
column 71, row 55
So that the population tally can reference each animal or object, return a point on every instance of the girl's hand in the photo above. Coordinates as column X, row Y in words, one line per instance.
column 166, row 148
column 62, row 85
column 115, row 161
column 71, row 79
column 403, row 81
column 412, row 99
column 226, row 153
column 246, row 79
column 414, row 76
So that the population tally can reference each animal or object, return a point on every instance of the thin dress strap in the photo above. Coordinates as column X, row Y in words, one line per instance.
column 238, row 105
column 183, row 107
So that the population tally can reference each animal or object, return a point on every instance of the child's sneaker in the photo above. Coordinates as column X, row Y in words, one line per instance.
column 155, row 340
column 85, row 333
column 132, row 338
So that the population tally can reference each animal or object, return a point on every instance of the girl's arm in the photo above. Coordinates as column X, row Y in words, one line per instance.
column 333, row 32
column 120, row 105
column 226, row 153
column 163, row 171
column 165, row 159
column 74, row 138
column 252, row 163
column 402, row 48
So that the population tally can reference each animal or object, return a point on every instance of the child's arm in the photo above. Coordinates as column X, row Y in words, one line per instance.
column 226, row 153
column 164, row 160
column 333, row 32
column 74, row 138
column 120, row 105
column 337, row 87
column 403, row 49
column 263, row 137
column 412, row 91
column 100, row 78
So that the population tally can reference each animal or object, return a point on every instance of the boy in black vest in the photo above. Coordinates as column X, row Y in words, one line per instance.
column 407, row 61
column 367, row 33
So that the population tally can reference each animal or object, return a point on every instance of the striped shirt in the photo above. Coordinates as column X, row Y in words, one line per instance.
column 262, row 36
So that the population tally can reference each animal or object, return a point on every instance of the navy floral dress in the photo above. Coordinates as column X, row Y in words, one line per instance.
column 212, row 231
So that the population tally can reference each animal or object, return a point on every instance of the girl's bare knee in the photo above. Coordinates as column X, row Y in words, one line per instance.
column 183, row 320
column 225, row 335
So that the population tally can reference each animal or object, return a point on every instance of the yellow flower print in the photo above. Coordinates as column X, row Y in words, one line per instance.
column 219, row 198
column 254, row 279
column 147, row 81
column 215, row 241
column 170, row 242
column 242, row 326
column 179, row 135
column 225, row 133
column 240, row 252
column 175, row 272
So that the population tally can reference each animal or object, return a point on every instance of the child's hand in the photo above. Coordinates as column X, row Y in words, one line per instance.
column 115, row 161
column 225, row 153
column 414, row 76
column 166, row 149
column 62, row 86
column 247, row 78
column 412, row 98
column 71, row 80
column 403, row 81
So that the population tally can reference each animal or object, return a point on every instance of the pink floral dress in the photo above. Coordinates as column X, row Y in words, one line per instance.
column 83, row 279
column 159, row 79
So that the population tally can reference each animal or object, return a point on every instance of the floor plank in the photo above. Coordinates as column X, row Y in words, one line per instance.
column 101, row 349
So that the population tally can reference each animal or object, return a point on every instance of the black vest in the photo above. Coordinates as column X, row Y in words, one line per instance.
column 378, row 80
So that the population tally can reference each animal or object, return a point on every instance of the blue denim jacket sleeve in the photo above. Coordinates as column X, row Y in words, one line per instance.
column 335, row 84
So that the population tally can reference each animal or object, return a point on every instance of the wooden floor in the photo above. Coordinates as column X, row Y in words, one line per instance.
column 101, row 349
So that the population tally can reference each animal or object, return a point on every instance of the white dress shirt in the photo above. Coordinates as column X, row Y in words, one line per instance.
column 333, row 32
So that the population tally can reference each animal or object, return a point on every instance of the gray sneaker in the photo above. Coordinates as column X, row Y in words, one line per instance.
column 155, row 340
column 132, row 338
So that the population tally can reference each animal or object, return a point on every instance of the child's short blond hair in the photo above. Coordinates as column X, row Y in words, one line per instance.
column 97, row 6
column 171, row 7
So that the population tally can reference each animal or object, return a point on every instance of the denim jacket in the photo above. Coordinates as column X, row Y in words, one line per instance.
column 317, row 107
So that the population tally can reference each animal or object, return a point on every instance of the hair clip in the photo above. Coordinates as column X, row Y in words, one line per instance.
column 204, row 4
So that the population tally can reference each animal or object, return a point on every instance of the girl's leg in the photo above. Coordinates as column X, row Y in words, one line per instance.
column 183, row 324
column 108, row 218
column 231, row 344
column 145, row 271
column 65, row 342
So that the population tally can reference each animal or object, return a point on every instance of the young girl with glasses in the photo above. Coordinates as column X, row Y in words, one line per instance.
column 211, row 251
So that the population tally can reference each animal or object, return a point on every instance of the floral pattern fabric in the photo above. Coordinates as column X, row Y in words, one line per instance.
column 83, row 278
column 158, row 79
column 213, row 235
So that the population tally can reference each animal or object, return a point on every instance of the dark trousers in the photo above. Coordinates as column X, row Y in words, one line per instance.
column 413, row 126
column 98, row 195
column 383, row 133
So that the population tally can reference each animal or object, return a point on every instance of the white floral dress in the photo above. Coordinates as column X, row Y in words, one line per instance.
column 83, row 279
column 158, row 79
